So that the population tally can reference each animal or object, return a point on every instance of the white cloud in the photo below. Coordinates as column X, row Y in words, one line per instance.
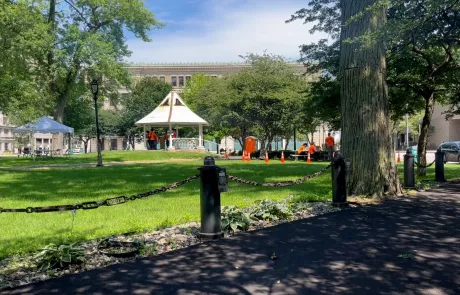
column 228, row 30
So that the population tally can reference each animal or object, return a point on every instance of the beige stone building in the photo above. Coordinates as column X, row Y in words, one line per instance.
column 6, row 135
column 443, row 130
column 8, row 142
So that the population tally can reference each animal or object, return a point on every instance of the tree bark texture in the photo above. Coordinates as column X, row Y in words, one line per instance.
column 366, row 133
column 423, row 136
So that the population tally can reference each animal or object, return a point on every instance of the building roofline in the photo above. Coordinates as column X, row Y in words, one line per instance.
column 195, row 64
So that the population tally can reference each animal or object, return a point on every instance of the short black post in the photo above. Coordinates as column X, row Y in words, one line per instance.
column 339, row 181
column 210, row 201
column 439, row 168
column 409, row 174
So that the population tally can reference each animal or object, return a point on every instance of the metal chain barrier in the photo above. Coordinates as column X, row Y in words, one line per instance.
column 422, row 166
column 106, row 202
column 282, row 183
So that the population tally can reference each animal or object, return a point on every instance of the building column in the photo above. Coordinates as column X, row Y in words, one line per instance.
column 200, row 137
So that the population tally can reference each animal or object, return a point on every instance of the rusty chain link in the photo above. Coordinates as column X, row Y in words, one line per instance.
column 423, row 166
column 96, row 204
column 282, row 183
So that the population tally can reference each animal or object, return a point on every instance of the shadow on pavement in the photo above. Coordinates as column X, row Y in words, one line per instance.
column 405, row 246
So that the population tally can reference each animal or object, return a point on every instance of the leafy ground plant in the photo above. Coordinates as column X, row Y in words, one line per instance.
column 53, row 256
column 234, row 218
column 270, row 210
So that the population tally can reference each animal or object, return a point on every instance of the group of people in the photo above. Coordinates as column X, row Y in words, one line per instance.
column 314, row 152
column 153, row 139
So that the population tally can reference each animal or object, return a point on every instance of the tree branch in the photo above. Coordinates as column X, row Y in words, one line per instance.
column 80, row 13
column 422, row 54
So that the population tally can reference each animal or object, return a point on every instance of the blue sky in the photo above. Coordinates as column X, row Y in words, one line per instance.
column 220, row 30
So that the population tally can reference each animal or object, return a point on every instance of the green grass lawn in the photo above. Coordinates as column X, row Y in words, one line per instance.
column 21, row 232
column 107, row 156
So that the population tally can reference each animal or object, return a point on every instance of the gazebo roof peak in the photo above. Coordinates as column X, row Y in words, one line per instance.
column 172, row 111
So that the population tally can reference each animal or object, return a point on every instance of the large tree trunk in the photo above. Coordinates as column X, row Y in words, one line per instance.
column 288, row 139
column 423, row 137
column 366, row 136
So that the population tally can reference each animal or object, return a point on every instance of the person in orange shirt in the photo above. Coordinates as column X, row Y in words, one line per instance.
column 314, row 155
column 330, row 145
column 153, row 139
column 302, row 150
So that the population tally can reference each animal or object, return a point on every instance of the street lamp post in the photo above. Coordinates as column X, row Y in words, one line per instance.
column 407, row 127
column 95, row 91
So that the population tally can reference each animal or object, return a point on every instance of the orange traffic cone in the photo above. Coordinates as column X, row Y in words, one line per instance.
column 266, row 157
column 282, row 157
column 243, row 158
column 248, row 157
column 399, row 158
column 309, row 159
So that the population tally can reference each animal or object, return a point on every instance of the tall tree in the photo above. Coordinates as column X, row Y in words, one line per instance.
column 366, row 138
column 273, row 94
column 422, row 54
column 89, row 42
column 23, row 42
column 424, row 43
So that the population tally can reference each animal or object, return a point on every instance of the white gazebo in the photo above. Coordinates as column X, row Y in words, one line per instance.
column 172, row 112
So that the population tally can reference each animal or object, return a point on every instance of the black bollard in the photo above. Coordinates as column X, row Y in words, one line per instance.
column 339, row 181
column 439, row 168
column 409, row 173
column 210, row 200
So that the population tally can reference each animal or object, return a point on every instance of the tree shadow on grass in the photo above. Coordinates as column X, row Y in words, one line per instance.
column 405, row 246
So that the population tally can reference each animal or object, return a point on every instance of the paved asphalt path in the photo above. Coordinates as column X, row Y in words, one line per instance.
column 405, row 246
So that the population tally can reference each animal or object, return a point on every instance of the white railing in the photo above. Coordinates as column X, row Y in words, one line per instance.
column 185, row 143
column 211, row 146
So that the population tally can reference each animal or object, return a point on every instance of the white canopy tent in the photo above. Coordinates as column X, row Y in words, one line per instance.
column 172, row 112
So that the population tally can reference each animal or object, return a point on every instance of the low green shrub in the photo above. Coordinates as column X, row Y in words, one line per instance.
column 270, row 210
column 234, row 218
column 53, row 256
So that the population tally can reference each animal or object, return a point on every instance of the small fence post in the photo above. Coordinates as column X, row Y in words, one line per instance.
column 339, row 181
column 210, row 200
column 409, row 174
column 439, row 168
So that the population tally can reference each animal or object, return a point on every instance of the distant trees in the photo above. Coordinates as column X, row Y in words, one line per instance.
column 265, row 100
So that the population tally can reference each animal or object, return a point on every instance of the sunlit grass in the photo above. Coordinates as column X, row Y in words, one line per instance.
column 107, row 156
column 21, row 232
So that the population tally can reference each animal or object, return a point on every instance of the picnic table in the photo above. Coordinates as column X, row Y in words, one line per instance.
column 322, row 156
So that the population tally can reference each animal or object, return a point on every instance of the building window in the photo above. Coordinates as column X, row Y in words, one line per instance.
column 181, row 81
column 162, row 78
column 188, row 79
column 174, row 81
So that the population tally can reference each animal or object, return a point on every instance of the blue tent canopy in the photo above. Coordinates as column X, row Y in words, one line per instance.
column 43, row 125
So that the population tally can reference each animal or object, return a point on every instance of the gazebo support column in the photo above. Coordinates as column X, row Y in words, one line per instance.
column 145, row 139
column 200, row 137
column 171, row 146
